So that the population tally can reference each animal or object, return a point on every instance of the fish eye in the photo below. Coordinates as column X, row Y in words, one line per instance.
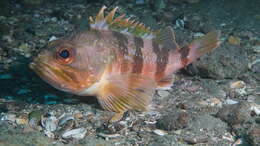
column 65, row 55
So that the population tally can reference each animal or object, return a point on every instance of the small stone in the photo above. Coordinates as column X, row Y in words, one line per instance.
column 233, row 40
column 108, row 136
column 214, row 101
column 52, row 38
column 21, row 121
column 9, row 117
column 78, row 115
column 173, row 121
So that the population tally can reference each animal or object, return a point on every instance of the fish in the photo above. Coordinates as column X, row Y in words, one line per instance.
column 119, row 60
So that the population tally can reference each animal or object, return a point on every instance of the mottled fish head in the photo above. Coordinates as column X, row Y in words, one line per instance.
column 70, row 64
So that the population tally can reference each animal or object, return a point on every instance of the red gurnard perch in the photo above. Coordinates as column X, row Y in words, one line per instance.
column 119, row 60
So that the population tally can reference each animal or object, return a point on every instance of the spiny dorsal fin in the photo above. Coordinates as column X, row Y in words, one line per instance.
column 166, row 37
column 121, row 24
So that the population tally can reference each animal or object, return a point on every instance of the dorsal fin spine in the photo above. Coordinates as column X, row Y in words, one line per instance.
column 120, row 24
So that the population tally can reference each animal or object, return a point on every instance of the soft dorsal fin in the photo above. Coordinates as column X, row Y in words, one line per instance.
column 166, row 37
column 121, row 24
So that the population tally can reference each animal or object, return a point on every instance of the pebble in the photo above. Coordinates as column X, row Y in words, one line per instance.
column 21, row 121
column 254, row 66
column 256, row 109
column 214, row 102
column 163, row 93
column 9, row 117
column 78, row 115
column 254, row 135
column 78, row 133
column 256, row 48
column 233, row 40
column 159, row 132
column 237, row 85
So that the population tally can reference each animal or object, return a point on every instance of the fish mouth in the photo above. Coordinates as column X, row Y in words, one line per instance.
column 52, row 75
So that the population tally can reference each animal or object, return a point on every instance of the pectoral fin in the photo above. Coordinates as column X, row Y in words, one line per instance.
column 119, row 93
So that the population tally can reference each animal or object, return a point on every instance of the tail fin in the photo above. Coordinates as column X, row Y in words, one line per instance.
column 200, row 46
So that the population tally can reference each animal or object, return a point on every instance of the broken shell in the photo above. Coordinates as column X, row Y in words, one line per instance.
column 78, row 133
column 159, row 132
column 107, row 136
column 51, row 124
column 64, row 118
column 255, row 109
column 230, row 101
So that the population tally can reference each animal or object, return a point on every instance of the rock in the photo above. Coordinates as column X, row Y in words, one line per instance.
column 206, row 122
column 235, row 113
column 174, row 121
column 226, row 61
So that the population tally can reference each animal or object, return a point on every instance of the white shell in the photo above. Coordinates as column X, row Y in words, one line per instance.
column 78, row 133
column 51, row 124
column 159, row 132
